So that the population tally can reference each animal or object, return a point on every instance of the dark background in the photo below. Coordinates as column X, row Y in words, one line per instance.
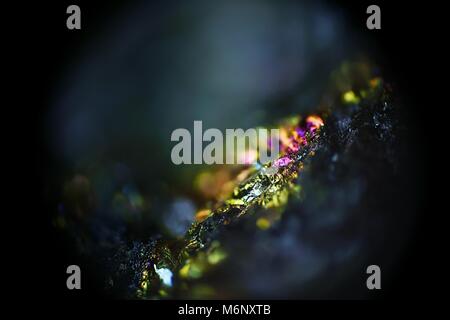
column 404, row 39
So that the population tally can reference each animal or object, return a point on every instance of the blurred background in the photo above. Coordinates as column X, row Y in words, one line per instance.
column 136, row 72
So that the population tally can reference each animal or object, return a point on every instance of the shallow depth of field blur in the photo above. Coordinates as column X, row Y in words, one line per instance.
column 232, row 64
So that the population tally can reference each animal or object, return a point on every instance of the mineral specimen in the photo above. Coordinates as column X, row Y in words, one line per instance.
column 295, row 213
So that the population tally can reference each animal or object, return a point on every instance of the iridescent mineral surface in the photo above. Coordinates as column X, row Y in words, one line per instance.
column 244, row 227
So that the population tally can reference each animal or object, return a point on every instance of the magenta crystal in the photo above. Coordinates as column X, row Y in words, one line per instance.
column 281, row 162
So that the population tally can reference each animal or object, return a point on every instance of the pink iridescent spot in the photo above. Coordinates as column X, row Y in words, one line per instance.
column 313, row 123
column 281, row 162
